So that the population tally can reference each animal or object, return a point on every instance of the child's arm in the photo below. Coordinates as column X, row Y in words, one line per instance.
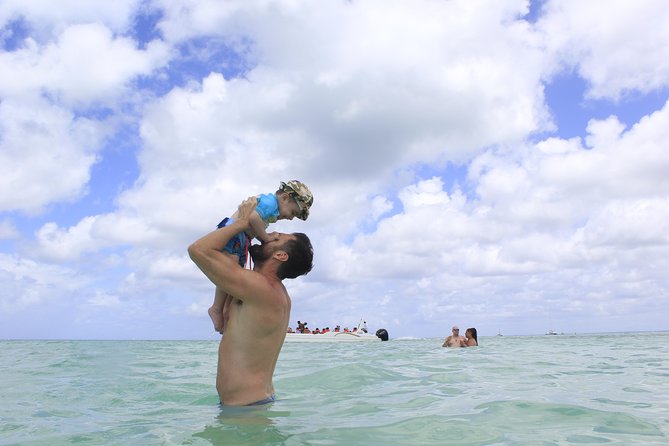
column 258, row 227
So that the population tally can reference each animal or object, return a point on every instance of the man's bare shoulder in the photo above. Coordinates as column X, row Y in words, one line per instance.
column 263, row 311
column 257, row 288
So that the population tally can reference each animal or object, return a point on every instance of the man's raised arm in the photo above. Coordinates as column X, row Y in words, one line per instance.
column 221, row 269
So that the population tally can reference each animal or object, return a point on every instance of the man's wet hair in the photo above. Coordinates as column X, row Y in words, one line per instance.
column 300, row 257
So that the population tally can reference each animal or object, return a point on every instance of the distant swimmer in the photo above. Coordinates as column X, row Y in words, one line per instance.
column 472, row 337
column 455, row 340
column 248, row 352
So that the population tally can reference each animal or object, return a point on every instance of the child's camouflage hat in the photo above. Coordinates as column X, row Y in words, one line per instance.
column 302, row 195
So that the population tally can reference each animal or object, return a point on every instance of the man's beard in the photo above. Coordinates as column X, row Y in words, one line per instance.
column 259, row 254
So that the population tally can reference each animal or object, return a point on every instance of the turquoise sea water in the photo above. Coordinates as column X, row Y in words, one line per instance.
column 598, row 389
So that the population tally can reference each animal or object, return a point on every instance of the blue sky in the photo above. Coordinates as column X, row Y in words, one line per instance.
column 501, row 165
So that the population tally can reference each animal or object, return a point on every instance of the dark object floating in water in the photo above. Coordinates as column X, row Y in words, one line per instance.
column 382, row 334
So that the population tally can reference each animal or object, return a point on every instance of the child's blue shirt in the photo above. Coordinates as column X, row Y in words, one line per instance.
column 268, row 208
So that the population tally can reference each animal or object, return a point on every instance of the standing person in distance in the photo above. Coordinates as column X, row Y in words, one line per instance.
column 455, row 340
column 471, row 337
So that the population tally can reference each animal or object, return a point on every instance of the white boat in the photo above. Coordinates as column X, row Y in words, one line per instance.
column 333, row 337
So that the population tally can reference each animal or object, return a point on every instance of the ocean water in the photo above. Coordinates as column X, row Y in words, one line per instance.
column 596, row 389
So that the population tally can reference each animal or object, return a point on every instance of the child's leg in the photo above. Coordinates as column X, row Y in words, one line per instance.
column 217, row 311
column 226, row 311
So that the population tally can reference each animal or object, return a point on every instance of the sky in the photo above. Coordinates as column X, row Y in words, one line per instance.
column 502, row 165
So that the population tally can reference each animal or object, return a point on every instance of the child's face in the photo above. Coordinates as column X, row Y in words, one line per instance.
column 288, row 207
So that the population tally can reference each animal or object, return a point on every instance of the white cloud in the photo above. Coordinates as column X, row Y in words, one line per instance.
column 629, row 164
column 95, row 233
column 46, row 18
column 618, row 47
column 368, row 86
column 87, row 63
column 630, row 224
column 47, row 147
column 61, row 245
column 29, row 283
column 45, row 154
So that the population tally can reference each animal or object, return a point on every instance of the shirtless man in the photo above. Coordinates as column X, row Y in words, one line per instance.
column 257, row 318
column 455, row 340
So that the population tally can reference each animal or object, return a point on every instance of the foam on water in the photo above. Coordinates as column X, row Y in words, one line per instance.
column 588, row 389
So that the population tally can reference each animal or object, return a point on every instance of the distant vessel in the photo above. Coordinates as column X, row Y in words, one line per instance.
column 551, row 332
column 499, row 333
column 359, row 334
column 381, row 335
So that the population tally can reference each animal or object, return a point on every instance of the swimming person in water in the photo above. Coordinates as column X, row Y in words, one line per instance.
column 472, row 337
column 292, row 199
column 455, row 340
column 248, row 351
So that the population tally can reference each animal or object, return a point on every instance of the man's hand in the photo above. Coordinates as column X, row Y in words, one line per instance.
column 245, row 209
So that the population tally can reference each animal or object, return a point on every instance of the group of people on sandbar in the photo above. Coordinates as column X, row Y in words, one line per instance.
column 302, row 328
column 470, row 339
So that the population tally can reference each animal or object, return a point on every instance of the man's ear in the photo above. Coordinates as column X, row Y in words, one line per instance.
column 280, row 255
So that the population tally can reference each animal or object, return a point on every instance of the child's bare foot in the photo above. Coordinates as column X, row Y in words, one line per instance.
column 216, row 315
